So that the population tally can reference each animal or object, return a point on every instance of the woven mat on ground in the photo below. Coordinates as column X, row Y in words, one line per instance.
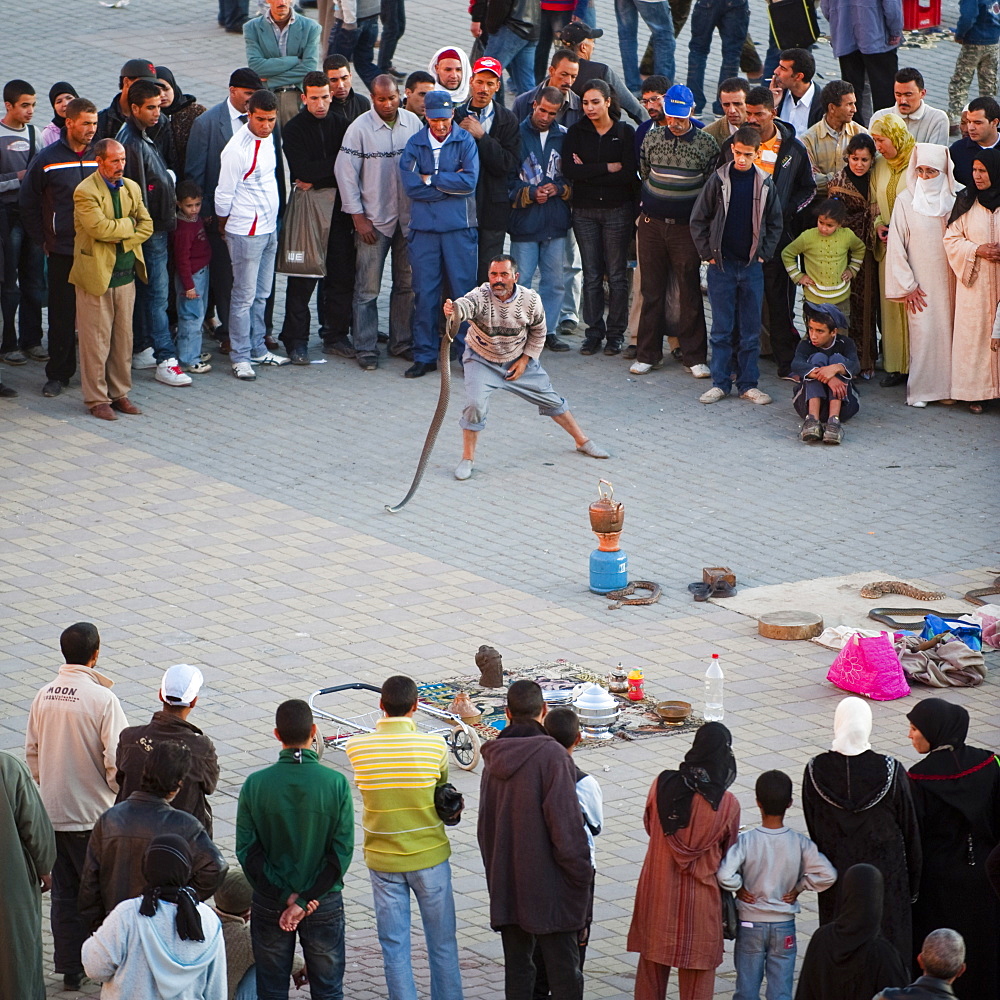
column 636, row 720
column 836, row 599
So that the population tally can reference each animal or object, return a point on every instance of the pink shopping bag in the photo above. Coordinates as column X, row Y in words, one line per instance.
column 869, row 667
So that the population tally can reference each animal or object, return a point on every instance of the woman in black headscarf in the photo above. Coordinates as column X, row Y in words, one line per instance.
column 956, row 790
column 163, row 943
column 182, row 109
column 60, row 94
column 691, row 820
column 849, row 959
column 970, row 241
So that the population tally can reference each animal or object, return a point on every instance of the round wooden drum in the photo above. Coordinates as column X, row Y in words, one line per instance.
column 789, row 625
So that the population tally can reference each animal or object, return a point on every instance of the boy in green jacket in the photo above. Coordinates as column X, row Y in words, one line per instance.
column 295, row 839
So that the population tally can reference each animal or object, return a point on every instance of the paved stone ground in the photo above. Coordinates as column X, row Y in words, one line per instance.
column 241, row 527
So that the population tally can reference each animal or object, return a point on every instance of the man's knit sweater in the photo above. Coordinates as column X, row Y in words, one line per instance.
column 673, row 170
column 501, row 331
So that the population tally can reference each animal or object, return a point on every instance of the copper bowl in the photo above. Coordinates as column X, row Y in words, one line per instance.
column 673, row 713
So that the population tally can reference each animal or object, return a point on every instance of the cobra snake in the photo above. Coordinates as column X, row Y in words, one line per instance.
column 620, row 597
column 444, row 394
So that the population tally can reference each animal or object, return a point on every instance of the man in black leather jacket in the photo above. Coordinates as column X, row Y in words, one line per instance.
column 112, row 871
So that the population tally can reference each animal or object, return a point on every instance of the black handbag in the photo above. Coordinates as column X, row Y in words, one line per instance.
column 449, row 803
column 793, row 23
column 730, row 918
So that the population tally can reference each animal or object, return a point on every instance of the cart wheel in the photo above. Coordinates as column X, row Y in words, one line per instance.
column 464, row 744
column 317, row 744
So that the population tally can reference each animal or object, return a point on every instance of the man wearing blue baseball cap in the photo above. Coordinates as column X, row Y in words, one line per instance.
column 674, row 163
column 440, row 169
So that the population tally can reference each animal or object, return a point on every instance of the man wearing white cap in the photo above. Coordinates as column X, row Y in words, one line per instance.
column 179, row 694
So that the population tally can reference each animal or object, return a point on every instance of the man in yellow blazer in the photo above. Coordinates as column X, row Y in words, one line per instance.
column 111, row 225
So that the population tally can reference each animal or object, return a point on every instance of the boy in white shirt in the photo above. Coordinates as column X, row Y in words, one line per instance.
column 767, row 868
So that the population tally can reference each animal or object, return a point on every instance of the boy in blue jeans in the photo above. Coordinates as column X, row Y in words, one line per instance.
column 192, row 255
column 767, row 868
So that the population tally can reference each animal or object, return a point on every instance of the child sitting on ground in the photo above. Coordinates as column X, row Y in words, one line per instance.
column 563, row 725
column 831, row 255
column 825, row 363
column 192, row 253
column 768, row 867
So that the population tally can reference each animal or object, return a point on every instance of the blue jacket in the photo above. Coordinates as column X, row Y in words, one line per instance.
column 265, row 58
column 863, row 25
column 449, row 201
column 529, row 221
column 978, row 22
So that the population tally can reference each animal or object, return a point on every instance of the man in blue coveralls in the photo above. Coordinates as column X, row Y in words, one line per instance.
column 440, row 166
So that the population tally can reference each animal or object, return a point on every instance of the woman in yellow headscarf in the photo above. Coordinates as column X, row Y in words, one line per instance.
column 894, row 144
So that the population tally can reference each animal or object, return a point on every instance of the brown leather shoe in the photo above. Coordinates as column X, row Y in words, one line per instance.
column 224, row 347
column 125, row 405
column 271, row 344
column 103, row 411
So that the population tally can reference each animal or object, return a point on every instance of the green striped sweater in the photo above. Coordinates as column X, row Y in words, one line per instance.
column 397, row 771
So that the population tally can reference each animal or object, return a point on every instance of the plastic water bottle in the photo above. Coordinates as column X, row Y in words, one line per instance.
column 714, row 681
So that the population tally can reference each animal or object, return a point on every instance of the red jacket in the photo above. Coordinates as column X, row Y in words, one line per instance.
column 192, row 250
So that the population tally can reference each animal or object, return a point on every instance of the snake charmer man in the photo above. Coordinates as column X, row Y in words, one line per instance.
column 506, row 335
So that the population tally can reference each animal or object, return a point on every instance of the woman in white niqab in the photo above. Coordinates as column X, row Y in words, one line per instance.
column 918, row 274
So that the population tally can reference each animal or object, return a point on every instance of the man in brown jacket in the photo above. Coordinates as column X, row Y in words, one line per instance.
column 534, row 850
column 111, row 224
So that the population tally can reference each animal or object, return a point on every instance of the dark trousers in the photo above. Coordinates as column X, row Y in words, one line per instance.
column 220, row 277
column 358, row 46
column 490, row 246
column 23, row 284
column 61, row 366
column 562, row 963
column 232, row 13
column 603, row 236
column 669, row 265
column 814, row 389
column 68, row 930
column 880, row 69
column 552, row 21
column 393, row 15
column 779, row 294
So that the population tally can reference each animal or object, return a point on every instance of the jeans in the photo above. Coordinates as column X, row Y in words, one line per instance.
column 603, row 236
column 253, row 278
column 358, row 46
column 432, row 887
column 732, row 18
column 656, row 14
column 549, row 257
column 760, row 947
column 190, row 316
column 23, row 284
column 368, row 282
column 68, row 930
column 438, row 259
column 246, row 989
column 670, row 286
column 562, row 963
column 321, row 936
column 61, row 365
column 552, row 22
column 736, row 292
column 393, row 14
column 149, row 323
column 232, row 13
column 517, row 56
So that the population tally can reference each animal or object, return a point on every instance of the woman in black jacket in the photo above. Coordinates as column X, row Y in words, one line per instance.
column 598, row 157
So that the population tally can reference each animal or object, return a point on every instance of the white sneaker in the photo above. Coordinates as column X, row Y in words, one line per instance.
column 244, row 370
column 756, row 396
column 713, row 395
column 144, row 359
column 199, row 368
column 271, row 359
column 919, row 404
column 641, row 368
column 170, row 373
column 699, row 371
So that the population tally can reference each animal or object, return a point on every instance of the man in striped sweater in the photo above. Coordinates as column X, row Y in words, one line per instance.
column 397, row 770
column 674, row 163
column 506, row 335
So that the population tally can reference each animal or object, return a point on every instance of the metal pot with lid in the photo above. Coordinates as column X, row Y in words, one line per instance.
column 597, row 711
column 607, row 514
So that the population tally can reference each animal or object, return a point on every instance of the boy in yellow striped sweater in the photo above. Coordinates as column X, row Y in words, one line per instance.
column 397, row 770
column 825, row 259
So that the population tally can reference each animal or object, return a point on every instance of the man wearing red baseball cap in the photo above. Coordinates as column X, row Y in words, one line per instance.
column 498, row 140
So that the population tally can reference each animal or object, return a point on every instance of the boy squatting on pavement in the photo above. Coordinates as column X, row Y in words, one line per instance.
column 506, row 335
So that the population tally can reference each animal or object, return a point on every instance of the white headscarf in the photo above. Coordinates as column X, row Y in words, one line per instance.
column 461, row 92
column 934, row 197
column 852, row 722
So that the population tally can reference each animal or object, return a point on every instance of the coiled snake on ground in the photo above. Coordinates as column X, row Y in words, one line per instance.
column 621, row 597
column 874, row 590
column 444, row 367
